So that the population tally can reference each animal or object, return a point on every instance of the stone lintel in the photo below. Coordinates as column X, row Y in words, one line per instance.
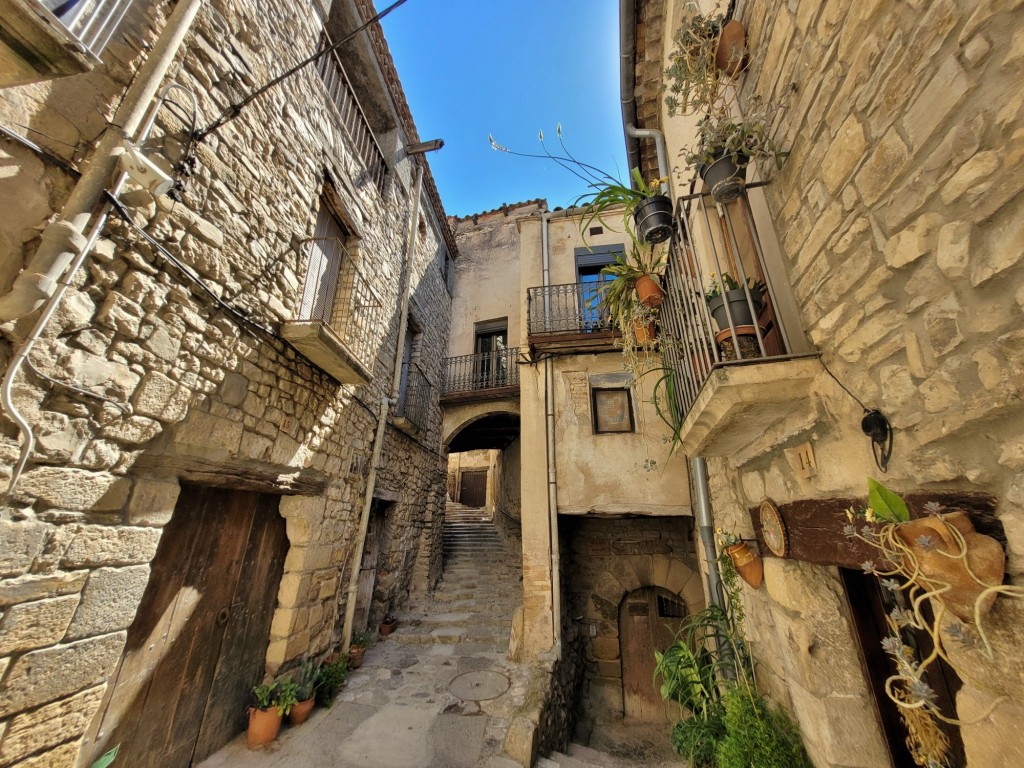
column 739, row 403
column 239, row 474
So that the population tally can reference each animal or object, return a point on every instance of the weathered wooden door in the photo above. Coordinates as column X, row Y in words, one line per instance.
column 368, row 564
column 648, row 621
column 473, row 489
column 199, row 641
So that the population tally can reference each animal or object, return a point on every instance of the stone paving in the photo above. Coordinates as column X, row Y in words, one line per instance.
column 437, row 693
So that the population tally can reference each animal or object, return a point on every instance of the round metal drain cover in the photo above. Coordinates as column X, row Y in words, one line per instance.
column 479, row 686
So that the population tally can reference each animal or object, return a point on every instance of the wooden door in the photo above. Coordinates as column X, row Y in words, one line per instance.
column 648, row 621
column 198, row 643
column 473, row 488
column 869, row 604
column 368, row 564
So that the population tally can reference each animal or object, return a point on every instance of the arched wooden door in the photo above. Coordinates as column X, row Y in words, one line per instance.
column 648, row 621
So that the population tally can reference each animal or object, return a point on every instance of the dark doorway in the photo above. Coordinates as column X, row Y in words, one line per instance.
column 473, row 488
column 368, row 563
column 491, row 354
column 869, row 604
column 649, row 619
column 199, row 641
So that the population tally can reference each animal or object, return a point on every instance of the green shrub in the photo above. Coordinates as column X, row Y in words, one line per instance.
column 757, row 735
column 329, row 680
column 697, row 738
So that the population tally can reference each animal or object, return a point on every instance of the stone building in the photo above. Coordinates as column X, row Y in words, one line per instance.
column 224, row 445
column 582, row 464
column 891, row 239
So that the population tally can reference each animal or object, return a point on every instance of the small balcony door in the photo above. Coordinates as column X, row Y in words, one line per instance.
column 491, row 352
column 589, row 263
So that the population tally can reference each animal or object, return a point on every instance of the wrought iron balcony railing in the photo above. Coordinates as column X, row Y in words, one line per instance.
column 488, row 370
column 91, row 22
column 566, row 309
column 743, row 325
column 353, row 118
column 414, row 403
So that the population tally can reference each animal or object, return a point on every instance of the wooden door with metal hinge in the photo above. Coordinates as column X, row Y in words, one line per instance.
column 199, row 640
column 649, row 619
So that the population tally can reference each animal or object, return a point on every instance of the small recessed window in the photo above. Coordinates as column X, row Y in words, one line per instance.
column 612, row 410
column 671, row 609
column 596, row 231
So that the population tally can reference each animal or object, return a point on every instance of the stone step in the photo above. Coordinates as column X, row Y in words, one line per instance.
column 451, row 635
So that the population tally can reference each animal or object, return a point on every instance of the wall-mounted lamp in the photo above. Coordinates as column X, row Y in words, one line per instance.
column 144, row 171
column 424, row 146
column 876, row 426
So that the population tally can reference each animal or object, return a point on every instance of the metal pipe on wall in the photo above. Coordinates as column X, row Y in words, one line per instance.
column 549, row 434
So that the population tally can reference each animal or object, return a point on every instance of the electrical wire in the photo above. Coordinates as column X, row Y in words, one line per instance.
column 233, row 111
column 41, row 151
column 124, row 407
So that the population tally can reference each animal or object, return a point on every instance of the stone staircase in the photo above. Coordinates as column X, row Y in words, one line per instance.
column 578, row 756
column 479, row 590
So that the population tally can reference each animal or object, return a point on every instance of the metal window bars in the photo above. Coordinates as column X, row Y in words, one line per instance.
column 338, row 294
column 91, row 22
column 353, row 119
column 569, row 308
column 719, row 238
column 487, row 370
column 415, row 405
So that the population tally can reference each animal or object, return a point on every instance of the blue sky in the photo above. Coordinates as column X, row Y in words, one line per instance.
column 472, row 68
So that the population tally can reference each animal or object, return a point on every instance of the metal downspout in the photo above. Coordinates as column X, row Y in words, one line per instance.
column 382, row 417
column 627, row 86
column 37, row 284
column 549, row 433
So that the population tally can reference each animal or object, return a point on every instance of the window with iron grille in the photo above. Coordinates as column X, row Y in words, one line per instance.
column 326, row 251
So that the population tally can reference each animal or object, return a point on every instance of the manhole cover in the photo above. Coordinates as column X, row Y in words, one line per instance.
column 478, row 686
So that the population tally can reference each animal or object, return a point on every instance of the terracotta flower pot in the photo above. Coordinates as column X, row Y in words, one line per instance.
column 932, row 542
column 748, row 563
column 387, row 627
column 731, row 56
column 644, row 332
column 301, row 711
column 649, row 292
column 264, row 725
column 355, row 657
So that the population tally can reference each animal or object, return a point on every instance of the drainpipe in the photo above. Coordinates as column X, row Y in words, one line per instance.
column 385, row 404
column 627, row 86
column 63, row 245
column 549, row 432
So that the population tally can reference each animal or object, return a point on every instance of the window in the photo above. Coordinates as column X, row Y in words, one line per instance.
column 446, row 264
column 589, row 263
column 491, row 354
column 612, row 410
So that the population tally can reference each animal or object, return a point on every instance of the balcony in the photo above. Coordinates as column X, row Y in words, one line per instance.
column 568, row 318
column 485, row 376
column 736, row 376
column 340, row 317
column 353, row 120
column 44, row 40
column 412, row 411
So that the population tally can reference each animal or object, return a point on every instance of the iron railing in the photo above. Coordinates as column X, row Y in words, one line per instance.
column 353, row 118
column 414, row 402
column 570, row 308
column 92, row 22
column 488, row 370
column 340, row 296
column 710, row 239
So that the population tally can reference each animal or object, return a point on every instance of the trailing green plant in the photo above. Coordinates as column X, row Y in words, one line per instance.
column 329, row 680
column 306, row 682
column 719, row 134
column 608, row 194
column 697, row 739
column 693, row 82
column 106, row 758
column 758, row 735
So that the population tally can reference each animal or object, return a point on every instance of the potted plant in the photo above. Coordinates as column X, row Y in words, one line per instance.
column 388, row 625
column 329, row 680
column 305, row 688
column 360, row 642
column 707, row 53
column 726, row 145
column 748, row 564
column 647, row 214
column 272, row 702
column 726, row 289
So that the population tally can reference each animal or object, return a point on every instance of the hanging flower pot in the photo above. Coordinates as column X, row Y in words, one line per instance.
column 738, row 307
column 747, row 563
column 648, row 291
column 731, row 56
column 644, row 332
column 724, row 177
column 948, row 551
column 653, row 219
column 264, row 725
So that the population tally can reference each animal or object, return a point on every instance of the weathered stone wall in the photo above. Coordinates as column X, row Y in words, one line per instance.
column 899, row 215
column 199, row 395
column 604, row 561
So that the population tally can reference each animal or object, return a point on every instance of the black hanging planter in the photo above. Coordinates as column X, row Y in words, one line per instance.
column 737, row 305
column 653, row 219
column 724, row 177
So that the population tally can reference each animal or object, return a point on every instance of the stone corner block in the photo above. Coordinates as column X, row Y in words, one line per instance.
column 521, row 741
column 99, row 545
column 109, row 601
